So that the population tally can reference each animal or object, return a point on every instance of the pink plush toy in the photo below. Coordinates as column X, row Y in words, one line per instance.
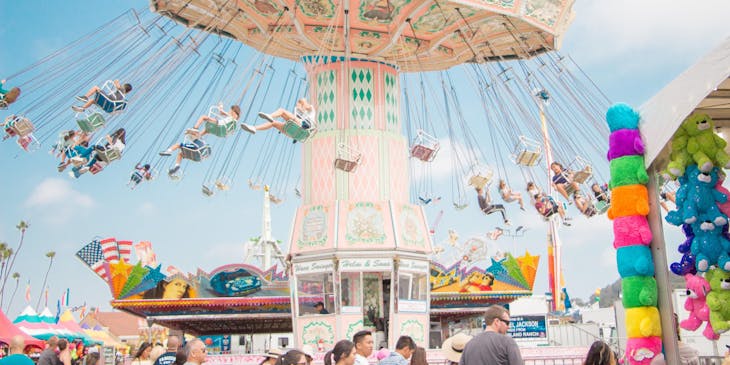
column 697, row 289
column 724, row 207
column 631, row 230
column 624, row 142
column 641, row 350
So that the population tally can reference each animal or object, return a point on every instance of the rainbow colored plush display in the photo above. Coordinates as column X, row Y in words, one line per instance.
column 629, row 207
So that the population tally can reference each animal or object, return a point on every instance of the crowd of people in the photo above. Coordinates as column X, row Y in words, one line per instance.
column 493, row 346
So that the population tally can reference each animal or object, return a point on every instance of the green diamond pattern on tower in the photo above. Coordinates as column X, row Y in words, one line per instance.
column 391, row 103
column 361, row 108
column 326, row 100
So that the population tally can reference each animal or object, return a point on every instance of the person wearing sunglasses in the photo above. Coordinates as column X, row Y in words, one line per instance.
column 493, row 346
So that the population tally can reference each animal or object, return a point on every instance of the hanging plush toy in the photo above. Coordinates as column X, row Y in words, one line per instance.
column 686, row 264
column 643, row 322
column 639, row 291
column 704, row 147
column 634, row 261
column 641, row 350
column 698, row 197
column 719, row 299
column 624, row 140
column 627, row 170
column 710, row 247
column 696, row 305
column 631, row 230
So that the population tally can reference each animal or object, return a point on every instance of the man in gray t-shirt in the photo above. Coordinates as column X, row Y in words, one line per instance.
column 493, row 346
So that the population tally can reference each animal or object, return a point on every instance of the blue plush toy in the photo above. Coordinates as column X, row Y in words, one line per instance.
column 710, row 247
column 634, row 261
column 622, row 116
column 698, row 196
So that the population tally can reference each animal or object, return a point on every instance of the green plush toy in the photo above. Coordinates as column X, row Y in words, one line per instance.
column 702, row 145
column 718, row 300
column 639, row 291
column 628, row 170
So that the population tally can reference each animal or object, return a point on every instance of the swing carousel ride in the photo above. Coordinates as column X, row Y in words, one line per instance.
column 360, row 243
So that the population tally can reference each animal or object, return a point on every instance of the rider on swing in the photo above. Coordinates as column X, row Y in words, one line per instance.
column 303, row 115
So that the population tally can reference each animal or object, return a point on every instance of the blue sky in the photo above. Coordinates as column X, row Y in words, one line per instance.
column 630, row 49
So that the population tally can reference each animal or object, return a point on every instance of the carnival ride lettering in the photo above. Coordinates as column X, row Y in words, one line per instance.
column 381, row 264
column 317, row 266
column 413, row 265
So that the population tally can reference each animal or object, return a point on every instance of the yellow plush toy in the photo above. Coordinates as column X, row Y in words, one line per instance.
column 629, row 200
column 643, row 322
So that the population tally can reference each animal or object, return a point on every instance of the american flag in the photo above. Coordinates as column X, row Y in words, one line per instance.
column 92, row 256
column 125, row 250
column 109, row 249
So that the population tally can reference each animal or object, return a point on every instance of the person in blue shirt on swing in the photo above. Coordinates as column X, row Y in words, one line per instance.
column 304, row 114
column 89, row 98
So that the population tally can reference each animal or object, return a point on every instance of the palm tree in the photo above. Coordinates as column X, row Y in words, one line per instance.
column 50, row 255
column 5, row 254
column 22, row 227
column 16, row 276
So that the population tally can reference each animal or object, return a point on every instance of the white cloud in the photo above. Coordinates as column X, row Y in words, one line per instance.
column 57, row 202
column 442, row 167
column 147, row 209
column 604, row 30
column 54, row 191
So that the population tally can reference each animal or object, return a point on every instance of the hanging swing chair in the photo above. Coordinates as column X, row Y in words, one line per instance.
column 582, row 170
column 348, row 158
column 223, row 126
column 16, row 125
column 479, row 176
column 296, row 132
column 425, row 147
column 21, row 127
column 222, row 184
column 90, row 122
column 254, row 185
column 106, row 104
column 527, row 152
column 197, row 150
column 207, row 191
column 137, row 177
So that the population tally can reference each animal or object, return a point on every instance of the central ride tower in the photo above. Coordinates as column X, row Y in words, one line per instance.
column 358, row 245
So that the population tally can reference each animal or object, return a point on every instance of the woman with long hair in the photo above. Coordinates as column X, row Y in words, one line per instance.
column 343, row 354
column 419, row 356
column 600, row 354
column 142, row 356
column 293, row 357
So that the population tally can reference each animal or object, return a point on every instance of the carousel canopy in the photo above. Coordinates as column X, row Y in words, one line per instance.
column 704, row 88
column 8, row 330
column 415, row 35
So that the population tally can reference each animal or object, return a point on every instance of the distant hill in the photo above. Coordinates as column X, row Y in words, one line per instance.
column 611, row 293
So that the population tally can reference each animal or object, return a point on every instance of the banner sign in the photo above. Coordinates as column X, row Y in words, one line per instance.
column 530, row 330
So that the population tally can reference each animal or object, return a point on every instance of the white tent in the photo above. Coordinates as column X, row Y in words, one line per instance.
column 703, row 87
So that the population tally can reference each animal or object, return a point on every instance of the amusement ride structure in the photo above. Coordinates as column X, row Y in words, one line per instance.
column 360, row 243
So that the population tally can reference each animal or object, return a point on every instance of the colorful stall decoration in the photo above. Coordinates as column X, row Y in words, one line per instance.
column 632, row 237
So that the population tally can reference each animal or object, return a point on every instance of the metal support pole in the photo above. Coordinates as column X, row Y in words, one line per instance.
column 659, row 254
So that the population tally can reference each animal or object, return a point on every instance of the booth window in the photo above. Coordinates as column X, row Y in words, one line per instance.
column 312, row 289
column 412, row 286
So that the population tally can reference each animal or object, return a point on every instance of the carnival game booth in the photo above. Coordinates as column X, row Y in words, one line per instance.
column 671, row 121
column 355, row 292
